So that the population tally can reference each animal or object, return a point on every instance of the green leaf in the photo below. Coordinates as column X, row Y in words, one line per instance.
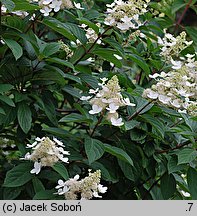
column 156, row 123
column 191, row 180
column 10, row 5
column 19, row 175
column 117, row 46
column 192, row 31
column 186, row 155
column 15, row 23
column 90, row 24
column 59, row 27
column 61, row 62
column 45, row 195
column 168, row 186
column 72, row 91
column 24, row 117
column 119, row 153
column 50, row 49
column 15, row 47
column 89, row 79
column 61, row 169
column 94, row 149
column 37, row 184
column 59, row 132
column 7, row 100
column 11, row 193
column 24, row 5
column 140, row 62
column 173, row 165
column 105, row 174
column 50, row 109
column 74, row 117
column 5, row 87
column 131, row 124
column 50, row 74
column 177, row 5
column 127, row 170
column 137, row 134
column 72, row 77
column 77, row 32
column 108, row 54
column 2, row 111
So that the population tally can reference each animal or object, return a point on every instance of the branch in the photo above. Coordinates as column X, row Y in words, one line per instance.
column 139, row 111
column 97, row 124
column 182, row 15
column 171, row 149
column 91, row 47
column 152, row 186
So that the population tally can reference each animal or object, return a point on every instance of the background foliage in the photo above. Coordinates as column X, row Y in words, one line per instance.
column 152, row 156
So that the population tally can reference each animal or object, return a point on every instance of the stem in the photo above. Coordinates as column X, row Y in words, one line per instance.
column 91, row 47
column 182, row 15
column 97, row 124
column 171, row 149
column 152, row 186
column 139, row 111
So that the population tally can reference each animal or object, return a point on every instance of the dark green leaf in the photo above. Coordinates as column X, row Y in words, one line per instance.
column 108, row 54
column 10, row 5
column 61, row 62
column 7, row 100
column 191, row 180
column 168, row 186
column 5, row 87
column 11, row 193
column 119, row 153
column 37, row 184
column 24, row 117
column 45, row 195
column 50, row 49
column 18, row 175
column 74, row 117
column 59, row 27
column 140, row 62
column 186, row 155
column 173, row 165
column 61, row 169
column 156, row 123
column 15, row 47
column 94, row 149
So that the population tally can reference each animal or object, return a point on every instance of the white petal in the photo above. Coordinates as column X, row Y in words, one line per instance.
column 117, row 122
column 85, row 98
column 95, row 194
column 95, row 109
column 127, row 102
column 102, row 189
column 58, row 142
column 32, row 145
column 76, row 177
column 37, row 168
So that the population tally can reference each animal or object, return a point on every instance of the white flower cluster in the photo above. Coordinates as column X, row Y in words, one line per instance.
column 172, row 46
column 48, row 6
column 66, row 48
column 46, row 153
column 91, row 34
column 177, row 88
column 108, row 99
column 125, row 15
column 86, row 188
column 18, row 13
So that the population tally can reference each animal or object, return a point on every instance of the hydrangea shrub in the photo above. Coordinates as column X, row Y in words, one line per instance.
column 98, row 100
